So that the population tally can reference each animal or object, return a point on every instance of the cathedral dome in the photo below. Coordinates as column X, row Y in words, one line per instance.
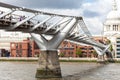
column 114, row 14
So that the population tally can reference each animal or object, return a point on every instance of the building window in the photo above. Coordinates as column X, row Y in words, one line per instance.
column 20, row 51
column 118, row 49
column 115, row 27
column 17, row 45
column 20, row 46
column 118, row 53
column 118, row 41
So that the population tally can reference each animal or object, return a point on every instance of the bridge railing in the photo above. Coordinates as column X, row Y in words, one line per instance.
column 17, row 18
column 14, row 18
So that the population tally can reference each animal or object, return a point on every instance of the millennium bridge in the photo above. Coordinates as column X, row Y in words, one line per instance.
column 48, row 30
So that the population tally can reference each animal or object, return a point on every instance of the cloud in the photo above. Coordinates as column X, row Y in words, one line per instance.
column 94, row 25
column 90, row 14
column 73, row 12
column 91, row 1
column 95, row 15
column 56, row 4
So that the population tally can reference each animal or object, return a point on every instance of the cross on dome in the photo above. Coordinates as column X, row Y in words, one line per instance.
column 114, row 5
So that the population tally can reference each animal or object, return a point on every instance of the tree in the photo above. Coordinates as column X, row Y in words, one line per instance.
column 108, row 42
column 111, row 48
column 62, row 54
column 79, row 52
column 94, row 53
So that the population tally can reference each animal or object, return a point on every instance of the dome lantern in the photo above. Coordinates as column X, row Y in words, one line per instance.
column 114, row 5
column 114, row 14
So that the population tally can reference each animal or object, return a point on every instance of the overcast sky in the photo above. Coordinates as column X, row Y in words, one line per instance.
column 93, row 12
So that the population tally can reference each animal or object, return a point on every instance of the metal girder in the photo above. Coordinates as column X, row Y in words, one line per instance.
column 83, row 38
column 75, row 37
column 21, row 22
column 53, row 25
column 8, row 5
column 41, row 41
column 87, row 41
column 54, row 43
column 60, row 36
column 86, row 31
column 61, row 27
column 98, row 50
column 6, row 13
column 101, row 51
column 107, row 47
column 73, row 32
column 38, row 25
column 62, row 22
column 71, row 35
column 84, row 28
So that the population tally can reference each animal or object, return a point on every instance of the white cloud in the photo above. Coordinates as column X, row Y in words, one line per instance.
column 94, row 25
column 103, row 7
column 73, row 12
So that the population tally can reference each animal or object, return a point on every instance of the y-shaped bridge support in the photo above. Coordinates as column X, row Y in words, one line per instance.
column 49, row 66
column 101, row 53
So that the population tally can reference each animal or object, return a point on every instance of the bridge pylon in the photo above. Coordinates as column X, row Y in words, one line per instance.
column 49, row 66
column 104, row 55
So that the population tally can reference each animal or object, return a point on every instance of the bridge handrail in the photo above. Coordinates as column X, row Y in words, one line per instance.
column 33, row 11
column 16, row 18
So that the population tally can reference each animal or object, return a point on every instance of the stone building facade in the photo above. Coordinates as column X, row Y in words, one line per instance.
column 112, row 29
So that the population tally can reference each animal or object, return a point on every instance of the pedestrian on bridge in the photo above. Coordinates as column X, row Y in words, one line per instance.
column 22, row 18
